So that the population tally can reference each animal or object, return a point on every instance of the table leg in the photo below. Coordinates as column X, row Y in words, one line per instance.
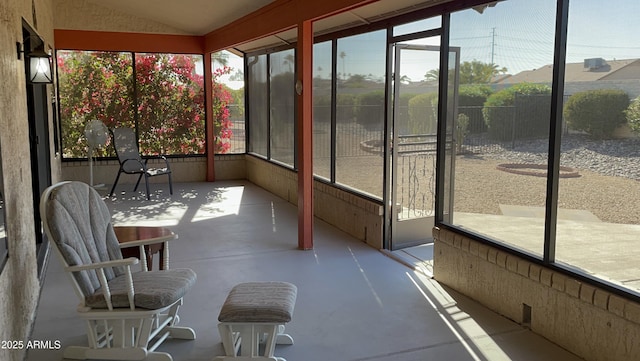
column 149, row 255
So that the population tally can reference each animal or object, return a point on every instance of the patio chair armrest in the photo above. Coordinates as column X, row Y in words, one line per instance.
column 143, row 165
column 115, row 263
column 164, row 158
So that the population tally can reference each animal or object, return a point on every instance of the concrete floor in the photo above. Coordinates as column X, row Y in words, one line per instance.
column 354, row 302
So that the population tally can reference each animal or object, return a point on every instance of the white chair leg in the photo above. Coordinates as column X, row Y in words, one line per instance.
column 250, row 340
column 230, row 343
column 248, row 358
column 241, row 341
column 283, row 338
column 158, row 356
column 270, row 343
column 75, row 352
column 182, row 333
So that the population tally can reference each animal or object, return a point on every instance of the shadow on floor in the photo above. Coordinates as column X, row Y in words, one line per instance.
column 354, row 302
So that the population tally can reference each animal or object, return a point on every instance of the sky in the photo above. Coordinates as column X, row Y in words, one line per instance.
column 521, row 32
column 236, row 63
column 515, row 34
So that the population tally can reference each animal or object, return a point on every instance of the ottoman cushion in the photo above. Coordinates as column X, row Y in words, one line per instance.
column 259, row 302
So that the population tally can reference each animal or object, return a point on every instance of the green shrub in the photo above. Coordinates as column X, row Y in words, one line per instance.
column 632, row 114
column 344, row 110
column 423, row 113
column 403, row 119
column 471, row 98
column 370, row 109
column 597, row 112
column 345, row 107
column 284, row 103
column 525, row 106
column 462, row 129
column 322, row 108
column 473, row 94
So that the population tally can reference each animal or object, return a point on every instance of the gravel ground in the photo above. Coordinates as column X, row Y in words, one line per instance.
column 614, row 157
column 481, row 188
column 608, row 185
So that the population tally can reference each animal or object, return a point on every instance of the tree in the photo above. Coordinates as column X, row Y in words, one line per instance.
column 221, row 99
column 168, row 109
column 170, row 104
column 221, row 58
column 477, row 72
column 432, row 75
column 342, row 56
column 356, row 81
column 237, row 76
column 289, row 60
column 93, row 85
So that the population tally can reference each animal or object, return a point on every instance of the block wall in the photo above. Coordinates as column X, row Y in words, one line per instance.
column 190, row 169
column 359, row 217
column 586, row 320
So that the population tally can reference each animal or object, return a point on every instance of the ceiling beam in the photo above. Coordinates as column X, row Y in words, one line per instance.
column 120, row 41
column 276, row 17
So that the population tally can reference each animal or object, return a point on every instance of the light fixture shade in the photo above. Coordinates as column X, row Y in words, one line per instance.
column 40, row 67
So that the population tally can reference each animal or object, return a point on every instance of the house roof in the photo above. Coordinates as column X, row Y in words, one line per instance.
column 577, row 72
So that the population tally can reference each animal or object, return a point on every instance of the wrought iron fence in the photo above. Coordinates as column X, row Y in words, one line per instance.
column 527, row 119
column 237, row 141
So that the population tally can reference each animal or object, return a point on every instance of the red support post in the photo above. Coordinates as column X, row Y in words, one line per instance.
column 305, row 134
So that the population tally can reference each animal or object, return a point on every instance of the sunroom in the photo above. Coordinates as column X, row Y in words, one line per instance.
column 499, row 136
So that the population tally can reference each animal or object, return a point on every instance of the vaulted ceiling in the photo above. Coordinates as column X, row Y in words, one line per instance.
column 196, row 17
column 199, row 17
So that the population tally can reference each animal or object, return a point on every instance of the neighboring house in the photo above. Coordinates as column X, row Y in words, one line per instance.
column 594, row 73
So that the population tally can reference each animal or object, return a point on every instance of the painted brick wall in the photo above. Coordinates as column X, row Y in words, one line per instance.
column 357, row 216
column 586, row 320
column 191, row 169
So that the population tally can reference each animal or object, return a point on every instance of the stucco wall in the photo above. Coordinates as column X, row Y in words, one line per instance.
column 19, row 285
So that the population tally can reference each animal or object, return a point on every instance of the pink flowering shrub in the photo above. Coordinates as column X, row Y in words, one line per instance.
column 166, row 101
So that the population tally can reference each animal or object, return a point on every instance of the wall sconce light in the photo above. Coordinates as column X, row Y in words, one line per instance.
column 299, row 87
column 39, row 65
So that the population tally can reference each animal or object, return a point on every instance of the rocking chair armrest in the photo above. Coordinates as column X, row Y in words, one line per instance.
column 100, row 266
column 146, row 242
column 114, row 263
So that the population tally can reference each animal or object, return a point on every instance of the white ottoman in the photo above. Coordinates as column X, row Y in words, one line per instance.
column 255, row 312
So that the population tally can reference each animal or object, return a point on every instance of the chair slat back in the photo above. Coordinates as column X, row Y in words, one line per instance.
column 126, row 146
column 78, row 223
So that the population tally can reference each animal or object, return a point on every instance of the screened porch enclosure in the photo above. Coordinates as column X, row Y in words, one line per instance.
column 511, row 129
column 509, row 132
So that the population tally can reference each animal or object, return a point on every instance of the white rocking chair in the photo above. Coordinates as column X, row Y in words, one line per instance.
column 127, row 314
